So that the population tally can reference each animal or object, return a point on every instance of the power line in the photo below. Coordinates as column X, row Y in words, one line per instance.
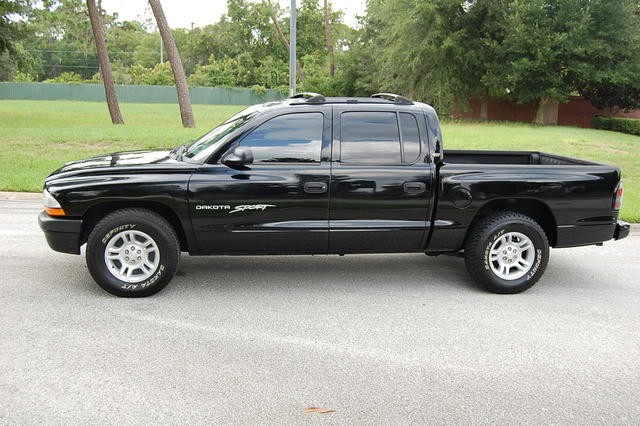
column 70, row 66
column 87, row 53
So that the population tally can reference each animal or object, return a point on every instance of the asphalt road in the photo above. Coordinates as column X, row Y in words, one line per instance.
column 379, row 339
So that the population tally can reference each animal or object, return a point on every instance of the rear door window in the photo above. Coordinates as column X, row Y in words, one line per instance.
column 377, row 137
column 410, row 137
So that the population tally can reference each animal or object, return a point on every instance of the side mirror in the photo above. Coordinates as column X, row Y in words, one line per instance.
column 240, row 156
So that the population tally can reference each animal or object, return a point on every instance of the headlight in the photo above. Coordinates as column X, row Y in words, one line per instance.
column 51, row 205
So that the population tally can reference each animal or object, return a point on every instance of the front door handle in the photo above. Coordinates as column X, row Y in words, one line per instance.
column 414, row 187
column 315, row 187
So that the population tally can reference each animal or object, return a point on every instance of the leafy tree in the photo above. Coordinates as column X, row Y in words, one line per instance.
column 437, row 51
column 125, row 38
column 522, row 50
column 9, row 27
column 269, row 11
column 58, row 35
column 13, row 56
column 614, row 97
column 147, row 53
column 204, row 42
column 553, row 48
column 612, row 81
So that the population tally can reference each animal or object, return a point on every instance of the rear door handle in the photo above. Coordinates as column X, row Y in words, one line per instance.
column 315, row 187
column 414, row 187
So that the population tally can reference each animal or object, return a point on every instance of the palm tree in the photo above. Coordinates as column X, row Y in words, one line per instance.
column 176, row 64
column 105, row 65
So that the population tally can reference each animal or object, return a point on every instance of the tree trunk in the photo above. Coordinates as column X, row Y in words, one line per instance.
column 184, row 100
column 285, row 42
column 105, row 65
column 484, row 108
column 329, row 39
column 547, row 112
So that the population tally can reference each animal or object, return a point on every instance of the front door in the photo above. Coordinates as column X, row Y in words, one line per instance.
column 381, row 183
column 277, row 204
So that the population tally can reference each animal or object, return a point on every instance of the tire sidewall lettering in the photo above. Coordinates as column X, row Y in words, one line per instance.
column 487, row 249
column 536, row 266
column 146, row 284
column 117, row 229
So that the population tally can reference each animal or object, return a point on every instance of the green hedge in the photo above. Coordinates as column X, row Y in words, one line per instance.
column 622, row 125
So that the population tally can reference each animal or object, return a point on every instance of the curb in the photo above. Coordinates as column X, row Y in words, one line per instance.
column 21, row 196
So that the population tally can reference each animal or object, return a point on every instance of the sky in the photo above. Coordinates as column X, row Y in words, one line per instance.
column 184, row 13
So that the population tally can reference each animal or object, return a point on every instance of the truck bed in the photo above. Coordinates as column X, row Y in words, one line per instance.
column 510, row 157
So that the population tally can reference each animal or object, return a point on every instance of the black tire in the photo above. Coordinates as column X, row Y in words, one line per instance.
column 149, row 233
column 498, row 239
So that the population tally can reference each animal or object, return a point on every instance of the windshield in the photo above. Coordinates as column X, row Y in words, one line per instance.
column 218, row 133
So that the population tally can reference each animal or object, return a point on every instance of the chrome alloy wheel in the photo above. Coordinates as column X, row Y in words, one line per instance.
column 511, row 256
column 132, row 256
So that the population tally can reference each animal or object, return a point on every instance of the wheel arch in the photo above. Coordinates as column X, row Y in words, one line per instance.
column 97, row 212
column 535, row 209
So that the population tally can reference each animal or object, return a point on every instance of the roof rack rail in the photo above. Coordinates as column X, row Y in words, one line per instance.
column 310, row 97
column 394, row 98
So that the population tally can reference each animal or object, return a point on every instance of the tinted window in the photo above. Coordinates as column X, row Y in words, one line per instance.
column 291, row 138
column 218, row 133
column 369, row 137
column 410, row 137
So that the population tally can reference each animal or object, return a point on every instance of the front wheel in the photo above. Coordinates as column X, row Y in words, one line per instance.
column 133, row 253
column 507, row 252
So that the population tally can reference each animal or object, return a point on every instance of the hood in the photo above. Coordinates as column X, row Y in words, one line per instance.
column 133, row 158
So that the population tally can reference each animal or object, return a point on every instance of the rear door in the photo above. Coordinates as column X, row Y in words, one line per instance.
column 278, row 204
column 382, row 180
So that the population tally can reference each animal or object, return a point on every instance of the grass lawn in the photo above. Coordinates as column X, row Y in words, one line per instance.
column 37, row 137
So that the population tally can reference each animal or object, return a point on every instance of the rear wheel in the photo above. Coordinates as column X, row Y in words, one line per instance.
column 507, row 252
column 133, row 253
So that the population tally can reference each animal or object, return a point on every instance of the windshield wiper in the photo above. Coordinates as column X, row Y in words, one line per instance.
column 178, row 152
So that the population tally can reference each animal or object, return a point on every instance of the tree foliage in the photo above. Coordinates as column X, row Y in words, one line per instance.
column 439, row 51
column 9, row 25
column 523, row 50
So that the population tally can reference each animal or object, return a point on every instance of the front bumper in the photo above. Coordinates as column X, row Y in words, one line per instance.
column 62, row 234
column 622, row 230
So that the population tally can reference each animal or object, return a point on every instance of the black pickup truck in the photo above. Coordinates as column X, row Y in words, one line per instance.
column 316, row 175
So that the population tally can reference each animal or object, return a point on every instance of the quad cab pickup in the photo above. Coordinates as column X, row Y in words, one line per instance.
column 316, row 175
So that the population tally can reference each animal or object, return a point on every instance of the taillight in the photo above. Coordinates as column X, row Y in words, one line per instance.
column 617, row 199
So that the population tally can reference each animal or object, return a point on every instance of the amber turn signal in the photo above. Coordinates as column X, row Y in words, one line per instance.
column 52, row 211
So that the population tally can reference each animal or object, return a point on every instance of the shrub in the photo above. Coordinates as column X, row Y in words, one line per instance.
column 159, row 75
column 23, row 77
column 259, row 90
column 66, row 77
column 630, row 126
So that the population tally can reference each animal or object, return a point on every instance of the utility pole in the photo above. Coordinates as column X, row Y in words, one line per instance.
column 292, row 50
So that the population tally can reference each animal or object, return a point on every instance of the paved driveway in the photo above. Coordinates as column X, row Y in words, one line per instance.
column 379, row 339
